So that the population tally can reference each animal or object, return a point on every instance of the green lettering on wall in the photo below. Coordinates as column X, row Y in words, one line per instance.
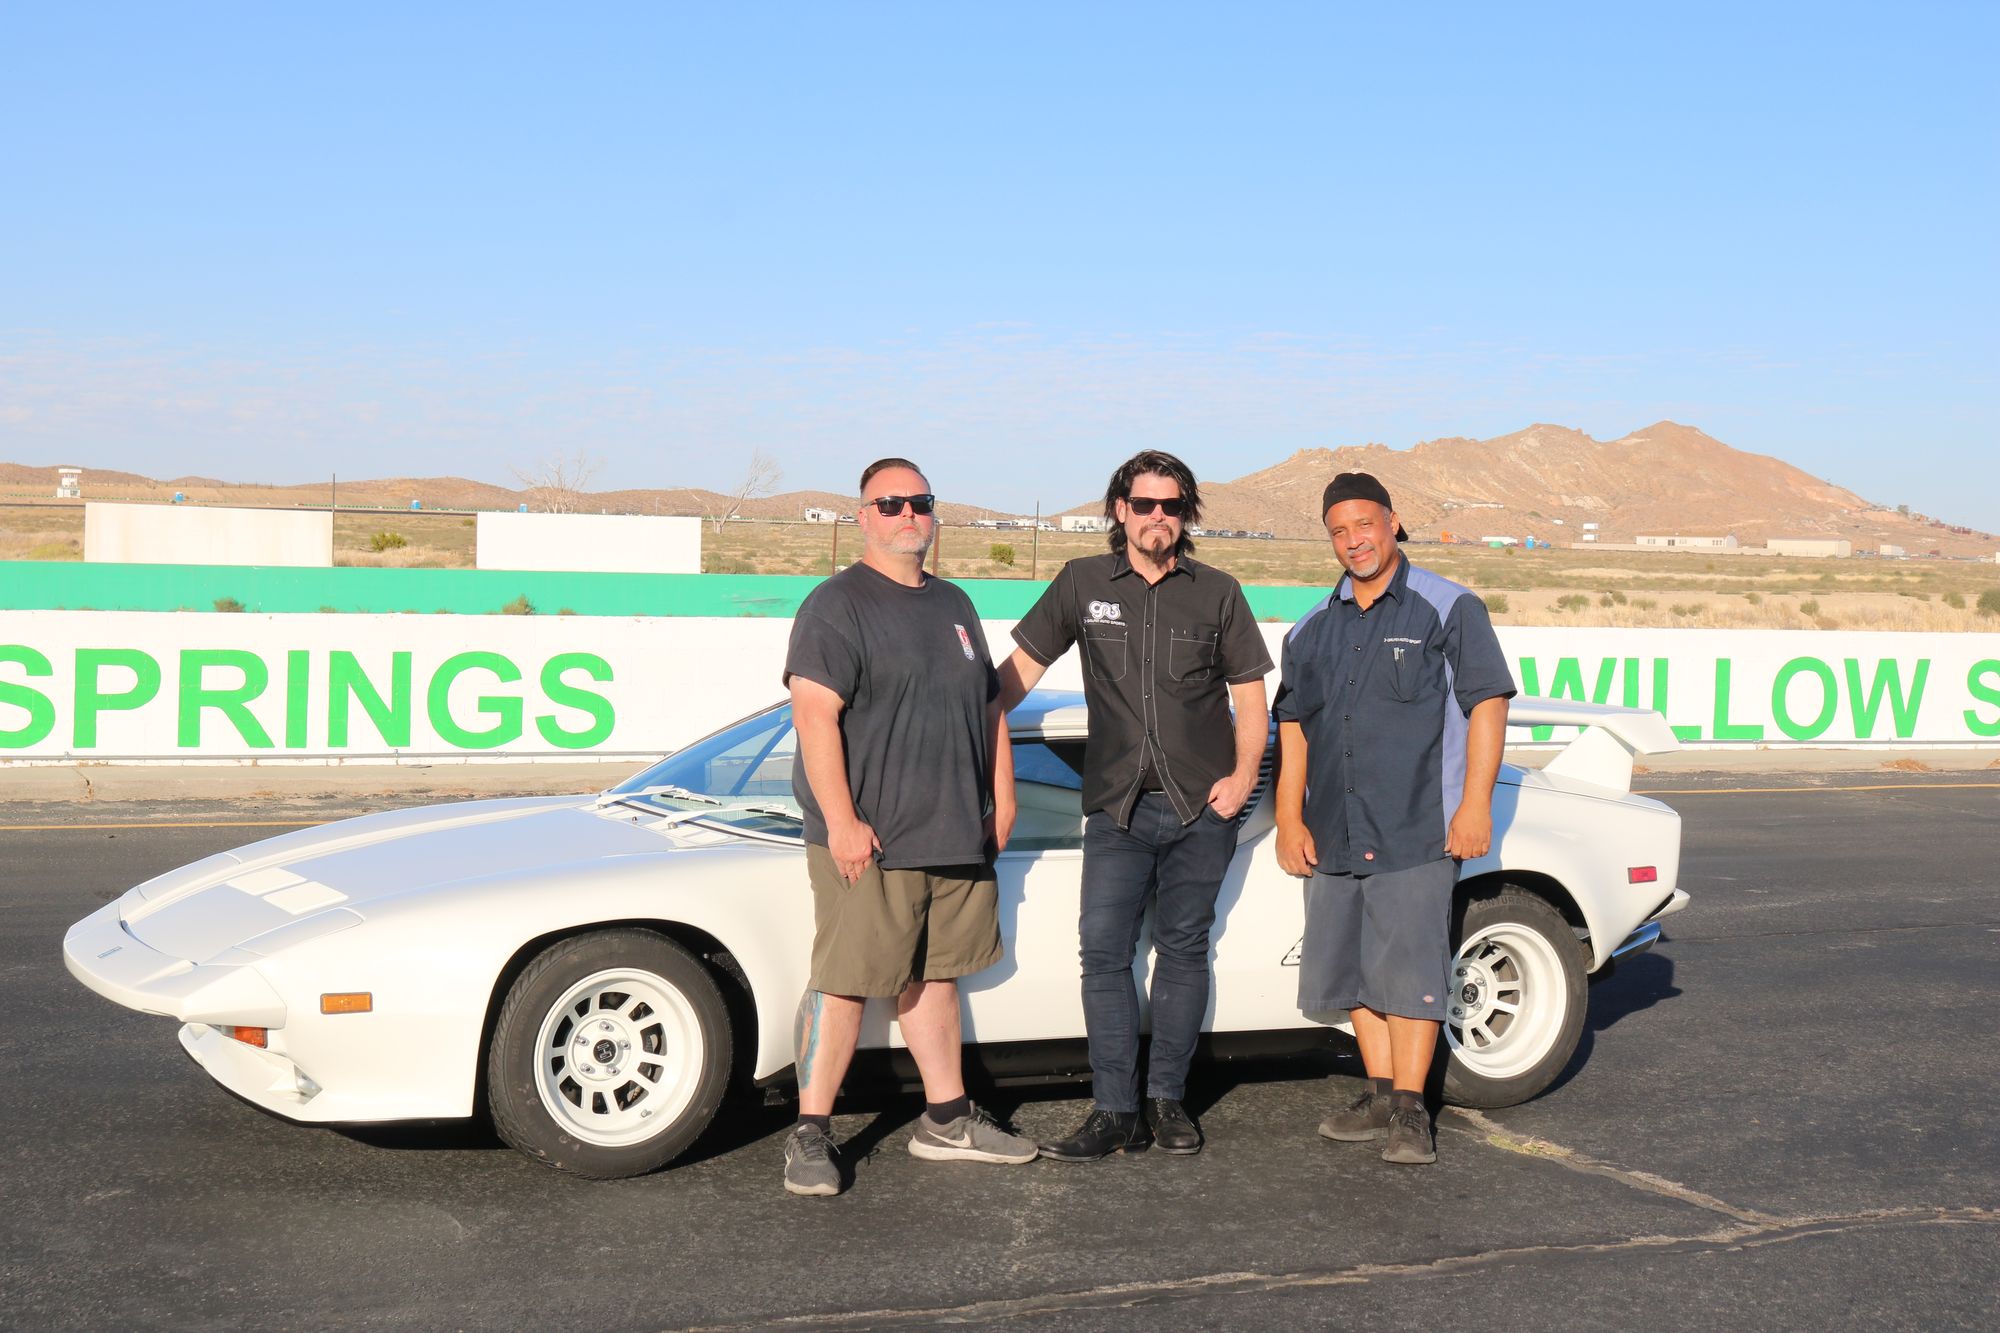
column 233, row 702
column 1660, row 700
column 1829, row 705
column 561, row 693
column 1566, row 683
column 91, row 699
column 41, row 710
column 1975, row 684
column 1888, row 678
column 347, row 684
column 1631, row 682
column 504, row 708
column 1725, row 730
column 298, row 694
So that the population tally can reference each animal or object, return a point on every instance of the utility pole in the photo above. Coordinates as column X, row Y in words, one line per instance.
column 1035, row 545
column 833, row 561
column 333, row 497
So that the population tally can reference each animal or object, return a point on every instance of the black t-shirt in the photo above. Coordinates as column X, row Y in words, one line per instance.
column 912, row 667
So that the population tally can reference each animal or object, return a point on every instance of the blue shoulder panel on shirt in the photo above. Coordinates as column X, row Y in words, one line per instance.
column 1436, row 589
column 1300, row 623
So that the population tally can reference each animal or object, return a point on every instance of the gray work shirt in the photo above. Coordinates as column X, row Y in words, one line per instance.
column 1383, row 696
column 912, row 667
column 1158, row 662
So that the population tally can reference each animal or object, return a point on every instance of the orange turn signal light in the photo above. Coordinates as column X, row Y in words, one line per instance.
column 348, row 1002
column 248, row 1036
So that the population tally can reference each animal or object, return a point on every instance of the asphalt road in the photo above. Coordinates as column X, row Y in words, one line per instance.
column 1783, row 1116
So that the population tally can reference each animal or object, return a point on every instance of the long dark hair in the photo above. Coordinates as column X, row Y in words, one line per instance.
column 1159, row 463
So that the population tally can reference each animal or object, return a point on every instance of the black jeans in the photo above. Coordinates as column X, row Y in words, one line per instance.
column 1176, row 869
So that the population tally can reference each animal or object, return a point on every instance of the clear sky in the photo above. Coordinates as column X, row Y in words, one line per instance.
column 269, row 242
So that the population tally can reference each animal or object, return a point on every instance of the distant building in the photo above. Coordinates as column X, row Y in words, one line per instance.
column 1590, row 527
column 1889, row 552
column 1679, row 543
column 1500, row 541
column 69, row 483
column 1812, row 547
column 815, row 514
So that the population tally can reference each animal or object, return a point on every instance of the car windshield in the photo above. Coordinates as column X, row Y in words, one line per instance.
column 740, row 776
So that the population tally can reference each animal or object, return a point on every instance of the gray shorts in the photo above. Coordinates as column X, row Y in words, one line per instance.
column 1381, row 942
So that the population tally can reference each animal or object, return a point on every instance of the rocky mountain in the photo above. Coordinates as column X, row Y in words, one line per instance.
column 1545, row 481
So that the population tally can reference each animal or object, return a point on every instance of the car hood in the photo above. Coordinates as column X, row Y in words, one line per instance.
column 267, row 888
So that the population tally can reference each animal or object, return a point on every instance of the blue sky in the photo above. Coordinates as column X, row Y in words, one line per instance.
column 1017, row 242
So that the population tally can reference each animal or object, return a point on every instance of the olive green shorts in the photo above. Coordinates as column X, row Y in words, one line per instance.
column 892, row 927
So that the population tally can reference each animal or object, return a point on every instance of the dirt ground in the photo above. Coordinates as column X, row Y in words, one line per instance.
column 1670, row 589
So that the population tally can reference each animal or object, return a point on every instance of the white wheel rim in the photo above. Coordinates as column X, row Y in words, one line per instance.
column 1507, row 1001
column 617, row 1058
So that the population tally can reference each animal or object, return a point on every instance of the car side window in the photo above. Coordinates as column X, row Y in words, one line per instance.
column 1048, row 791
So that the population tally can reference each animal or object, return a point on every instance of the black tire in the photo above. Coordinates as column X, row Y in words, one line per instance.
column 590, row 993
column 1511, row 944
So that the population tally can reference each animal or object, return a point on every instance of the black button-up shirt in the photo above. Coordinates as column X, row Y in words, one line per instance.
column 1383, row 696
column 1158, row 662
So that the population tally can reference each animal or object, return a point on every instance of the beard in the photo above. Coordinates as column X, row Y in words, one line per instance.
column 908, row 540
column 1156, row 541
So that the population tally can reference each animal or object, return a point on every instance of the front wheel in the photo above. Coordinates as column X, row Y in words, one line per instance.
column 610, row 1055
column 1518, row 994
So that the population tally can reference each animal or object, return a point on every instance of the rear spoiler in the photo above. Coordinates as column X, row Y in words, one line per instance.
column 1602, row 755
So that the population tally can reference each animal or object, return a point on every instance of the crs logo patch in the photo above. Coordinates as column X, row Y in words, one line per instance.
column 965, row 642
column 1101, row 612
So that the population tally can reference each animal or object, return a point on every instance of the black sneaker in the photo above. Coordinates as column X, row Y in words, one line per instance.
column 1364, row 1118
column 1411, row 1142
column 1173, row 1128
column 1101, row 1134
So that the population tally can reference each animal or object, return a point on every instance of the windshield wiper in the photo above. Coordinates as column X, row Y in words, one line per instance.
column 664, row 789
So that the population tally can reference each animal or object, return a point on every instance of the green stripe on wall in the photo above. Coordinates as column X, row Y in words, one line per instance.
column 50, row 585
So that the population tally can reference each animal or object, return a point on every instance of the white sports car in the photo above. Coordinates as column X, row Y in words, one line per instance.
column 594, row 970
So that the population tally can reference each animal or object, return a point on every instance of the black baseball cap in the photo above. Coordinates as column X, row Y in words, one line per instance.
column 1358, row 486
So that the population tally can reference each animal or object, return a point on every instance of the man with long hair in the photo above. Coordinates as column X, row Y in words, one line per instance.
column 1168, row 645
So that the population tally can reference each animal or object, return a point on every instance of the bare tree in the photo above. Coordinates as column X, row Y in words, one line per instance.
column 759, row 479
column 555, row 484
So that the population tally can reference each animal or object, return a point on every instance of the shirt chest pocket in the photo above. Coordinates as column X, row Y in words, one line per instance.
column 1415, row 674
column 1104, row 649
column 1191, row 654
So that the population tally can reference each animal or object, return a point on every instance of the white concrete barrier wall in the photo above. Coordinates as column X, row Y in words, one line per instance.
column 589, row 543
column 160, row 686
column 187, row 535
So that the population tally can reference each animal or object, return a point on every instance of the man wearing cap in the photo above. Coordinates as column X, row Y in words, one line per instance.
column 906, row 783
column 1168, row 645
column 1392, row 714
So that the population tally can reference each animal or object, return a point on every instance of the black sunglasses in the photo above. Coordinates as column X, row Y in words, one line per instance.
column 889, row 506
column 1143, row 505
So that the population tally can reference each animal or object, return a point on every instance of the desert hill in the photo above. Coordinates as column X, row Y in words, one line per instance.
column 1545, row 481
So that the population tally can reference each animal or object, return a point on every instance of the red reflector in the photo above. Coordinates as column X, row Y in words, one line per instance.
column 248, row 1036
column 1643, row 875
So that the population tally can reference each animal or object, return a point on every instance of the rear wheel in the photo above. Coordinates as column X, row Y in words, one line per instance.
column 1518, row 994
column 610, row 1055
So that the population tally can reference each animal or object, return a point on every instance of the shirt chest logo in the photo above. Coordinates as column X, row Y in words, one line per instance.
column 965, row 642
column 1104, row 612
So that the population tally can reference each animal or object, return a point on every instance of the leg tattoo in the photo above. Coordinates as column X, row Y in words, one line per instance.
column 809, row 1004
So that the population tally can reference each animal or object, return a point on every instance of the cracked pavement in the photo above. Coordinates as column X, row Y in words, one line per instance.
column 1784, row 1114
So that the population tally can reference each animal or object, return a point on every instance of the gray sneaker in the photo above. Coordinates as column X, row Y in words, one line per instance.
column 1411, row 1142
column 974, row 1137
column 1364, row 1118
column 809, row 1164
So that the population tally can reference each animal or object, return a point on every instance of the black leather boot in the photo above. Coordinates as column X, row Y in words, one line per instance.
column 1101, row 1134
column 1173, row 1128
